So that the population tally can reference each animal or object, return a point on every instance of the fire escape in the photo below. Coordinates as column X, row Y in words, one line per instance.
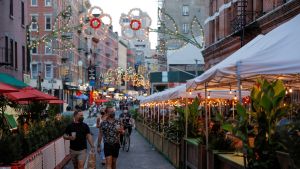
column 239, row 22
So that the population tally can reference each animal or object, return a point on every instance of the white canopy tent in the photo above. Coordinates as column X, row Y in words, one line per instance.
column 181, row 92
column 274, row 55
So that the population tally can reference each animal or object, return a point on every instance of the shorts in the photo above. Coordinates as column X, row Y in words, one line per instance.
column 111, row 150
column 78, row 155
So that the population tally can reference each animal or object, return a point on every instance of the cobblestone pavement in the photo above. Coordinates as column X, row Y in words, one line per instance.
column 140, row 156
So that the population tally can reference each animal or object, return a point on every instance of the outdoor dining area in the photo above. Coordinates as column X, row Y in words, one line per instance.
column 244, row 112
column 29, row 120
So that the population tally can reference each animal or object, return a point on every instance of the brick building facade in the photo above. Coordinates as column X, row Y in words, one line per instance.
column 50, row 61
column 223, row 27
column 13, row 55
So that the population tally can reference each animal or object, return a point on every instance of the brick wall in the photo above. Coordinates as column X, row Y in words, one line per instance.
column 263, row 16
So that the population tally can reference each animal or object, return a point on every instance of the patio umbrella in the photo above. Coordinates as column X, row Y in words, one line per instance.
column 101, row 101
column 56, row 102
column 20, row 96
column 4, row 88
column 39, row 94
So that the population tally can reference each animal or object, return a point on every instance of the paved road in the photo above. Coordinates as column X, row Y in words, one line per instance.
column 140, row 156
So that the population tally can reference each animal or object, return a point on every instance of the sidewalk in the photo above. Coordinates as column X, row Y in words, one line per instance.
column 140, row 156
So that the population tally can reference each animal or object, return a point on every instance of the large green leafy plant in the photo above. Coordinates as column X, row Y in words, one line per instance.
column 267, row 109
column 193, row 119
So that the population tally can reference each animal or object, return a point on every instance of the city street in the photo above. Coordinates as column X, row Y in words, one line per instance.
column 140, row 156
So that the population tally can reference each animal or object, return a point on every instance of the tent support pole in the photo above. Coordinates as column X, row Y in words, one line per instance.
column 206, row 127
column 238, row 73
column 186, row 127
column 163, row 110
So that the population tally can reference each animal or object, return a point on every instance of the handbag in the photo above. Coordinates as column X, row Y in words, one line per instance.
column 92, row 160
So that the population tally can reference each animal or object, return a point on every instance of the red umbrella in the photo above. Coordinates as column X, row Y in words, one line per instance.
column 41, row 95
column 20, row 96
column 4, row 88
column 56, row 102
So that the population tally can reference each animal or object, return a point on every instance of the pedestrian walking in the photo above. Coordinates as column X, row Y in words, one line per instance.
column 79, row 133
column 101, row 118
column 110, row 130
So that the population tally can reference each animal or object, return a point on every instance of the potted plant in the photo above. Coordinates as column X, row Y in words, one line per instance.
column 267, row 109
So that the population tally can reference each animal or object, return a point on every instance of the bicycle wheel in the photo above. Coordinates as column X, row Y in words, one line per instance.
column 127, row 142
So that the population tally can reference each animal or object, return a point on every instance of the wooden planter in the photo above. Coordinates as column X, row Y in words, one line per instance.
column 165, row 148
column 173, row 153
column 53, row 155
column 285, row 161
column 196, row 154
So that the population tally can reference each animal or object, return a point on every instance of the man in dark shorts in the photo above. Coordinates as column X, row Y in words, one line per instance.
column 110, row 130
column 78, row 132
column 126, row 122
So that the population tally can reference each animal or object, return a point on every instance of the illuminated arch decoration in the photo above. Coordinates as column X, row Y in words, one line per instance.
column 135, row 25
column 119, row 75
column 95, row 24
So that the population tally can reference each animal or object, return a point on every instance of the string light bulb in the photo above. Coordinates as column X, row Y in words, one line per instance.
column 208, row 96
column 290, row 90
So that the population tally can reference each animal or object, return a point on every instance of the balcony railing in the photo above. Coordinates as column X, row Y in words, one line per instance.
column 5, row 57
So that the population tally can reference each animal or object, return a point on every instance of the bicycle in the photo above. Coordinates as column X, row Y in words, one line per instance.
column 126, row 140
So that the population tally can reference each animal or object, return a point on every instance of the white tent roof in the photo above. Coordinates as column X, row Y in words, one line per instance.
column 185, row 55
column 180, row 92
column 276, row 53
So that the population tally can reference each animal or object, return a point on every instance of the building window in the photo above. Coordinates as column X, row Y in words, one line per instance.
column 34, row 70
column 34, row 22
column 11, row 52
column 48, row 2
column 185, row 28
column 34, row 3
column 185, row 10
column 6, row 49
column 23, row 13
column 16, row 55
column 34, row 51
column 48, row 71
column 23, row 59
column 48, row 24
column 11, row 8
column 48, row 48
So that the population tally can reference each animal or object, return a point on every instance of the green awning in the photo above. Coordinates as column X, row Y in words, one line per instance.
column 7, row 79
column 11, row 121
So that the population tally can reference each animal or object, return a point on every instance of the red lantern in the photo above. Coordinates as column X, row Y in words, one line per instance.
column 95, row 23
column 132, row 24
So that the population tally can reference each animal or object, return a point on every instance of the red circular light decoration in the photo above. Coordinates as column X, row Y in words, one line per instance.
column 95, row 23
column 133, row 22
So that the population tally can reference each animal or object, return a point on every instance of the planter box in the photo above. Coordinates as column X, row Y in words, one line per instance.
column 165, row 146
column 173, row 153
column 196, row 154
column 52, row 155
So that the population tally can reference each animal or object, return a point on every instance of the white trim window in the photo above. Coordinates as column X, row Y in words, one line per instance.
column 48, row 22
column 185, row 28
column 48, row 71
column 34, row 2
column 34, row 22
column 185, row 10
column 35, row 69
column 48, row 2
column 48, row 48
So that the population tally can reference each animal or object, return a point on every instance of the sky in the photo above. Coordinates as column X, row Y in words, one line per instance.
column 116, row 7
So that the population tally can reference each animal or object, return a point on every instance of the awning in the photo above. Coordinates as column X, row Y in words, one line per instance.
column 11, row 121
column 7, row 79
